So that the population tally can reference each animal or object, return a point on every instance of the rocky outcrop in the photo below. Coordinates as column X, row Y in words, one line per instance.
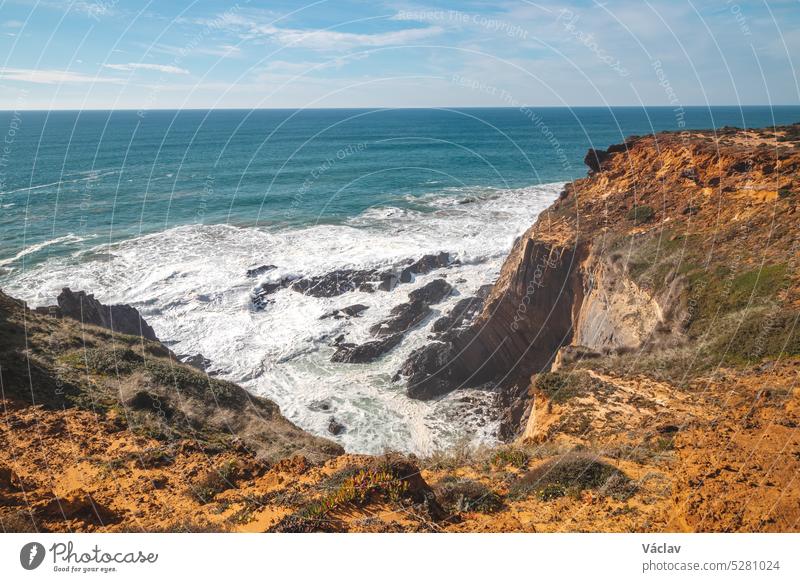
column 108, row 373
column 343, row 281
column 345, row 312
column 390, row 331
column 335, row 427
column 524, row 321
column 612, row 266
column 258, row 271
column 350, row 353
column 198, row 361
column 409, row 314
column 464, row 312
column 426, row 264
column 85, row 308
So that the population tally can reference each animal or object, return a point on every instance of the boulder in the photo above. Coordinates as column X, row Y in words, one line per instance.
column 335, row 427
column 464, row 311
column 424, row 265
column 403, row 317
column 198, row 361
column 433, row 292
column 349, row 311
column 367, row 352
column 256, row 271
column 335, row 283
column 427, row 371
column 594, row 159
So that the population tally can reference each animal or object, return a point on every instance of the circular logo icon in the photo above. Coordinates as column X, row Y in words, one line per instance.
column 31, row 555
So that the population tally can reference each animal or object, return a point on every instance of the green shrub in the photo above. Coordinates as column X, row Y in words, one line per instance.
column 559, row 387
column 108, row 361
column 713, row 294
column 569, row 474
column 512, row 456
column 641, row 214
column 459, row 495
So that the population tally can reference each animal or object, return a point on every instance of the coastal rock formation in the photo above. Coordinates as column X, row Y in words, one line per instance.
column 106, row 374
column 343, row 281
column 350, row 353
column 198, row 361
column 524, row 320
column 349, row 311
column 258, row 271
column 426, row 264
column 390, row 331
column 85, row 308
column 614, row 265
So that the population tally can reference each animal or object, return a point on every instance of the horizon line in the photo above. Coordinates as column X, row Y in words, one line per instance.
column 378, row 107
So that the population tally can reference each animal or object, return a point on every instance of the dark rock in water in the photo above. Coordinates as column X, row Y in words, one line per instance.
column 484, row 291
column 432, row 293
column 389, row 281
column 349, row 311
column 427, row 371
column 88, row 310
column 255, row 272
column 367, row 352
column 320, row 406
column 198, row 361
column 343, row 281
column 261, row 295
column 464, row 310
column 425, row 265
column 403, row 317
column 335, row 427
column 337, row 282
column 354, row 310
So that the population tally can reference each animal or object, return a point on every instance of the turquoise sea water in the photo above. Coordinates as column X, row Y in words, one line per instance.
column 82, row 177
column 166, row 211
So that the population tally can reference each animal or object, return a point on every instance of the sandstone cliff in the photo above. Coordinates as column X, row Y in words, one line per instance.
column 669, row 239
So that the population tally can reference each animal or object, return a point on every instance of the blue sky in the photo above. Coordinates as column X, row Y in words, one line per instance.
column 181, row 54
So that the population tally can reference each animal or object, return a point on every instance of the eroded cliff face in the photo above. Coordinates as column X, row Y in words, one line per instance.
column 627, row 259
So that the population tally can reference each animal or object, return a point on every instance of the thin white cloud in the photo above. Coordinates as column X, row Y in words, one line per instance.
column 13, row 24
column 223, row 50
column 168, row 69
column 317, row 39
column 332, row 39
column 50, row 76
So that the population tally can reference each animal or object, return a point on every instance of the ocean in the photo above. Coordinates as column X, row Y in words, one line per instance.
column 166, row 211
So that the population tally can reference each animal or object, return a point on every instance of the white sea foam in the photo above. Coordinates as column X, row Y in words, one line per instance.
column 190, row 284
column 35, row 248
column 87, row 176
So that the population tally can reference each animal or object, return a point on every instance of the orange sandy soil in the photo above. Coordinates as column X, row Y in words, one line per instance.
column 731, row 465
